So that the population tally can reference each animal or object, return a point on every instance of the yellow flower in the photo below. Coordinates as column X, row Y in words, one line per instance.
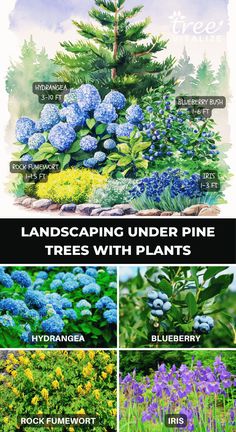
column 33, row 356
column 40, row 412
column 6, row 420
column 12, row 359
column 81, row 412
column 96, row 393
column 42, row 356
column 80, row 390
column 55, row 384
column 23, row 360
column 10, row 406
column 88, row 386
column 58, row 371
column 29, row 375
column 104, row 375
column 14, row 373
column 34, row 400
column 110, row 403
column 114, row 412
column 71, row 429
column 91, row 355
column 87, row 370
column 15, row 391
column 44, row 393
column 81, row 355
column 109, row 368
column 9, row 369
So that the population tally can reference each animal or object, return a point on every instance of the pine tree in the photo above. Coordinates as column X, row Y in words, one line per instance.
column 223, row 78
column 205, row 82
column 115, row 54
column 184, row 75
column 32, row 66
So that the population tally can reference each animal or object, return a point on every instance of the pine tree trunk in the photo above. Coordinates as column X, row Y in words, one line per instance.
column 115, row 45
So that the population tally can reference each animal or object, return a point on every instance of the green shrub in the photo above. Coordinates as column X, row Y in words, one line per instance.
column 114, row 192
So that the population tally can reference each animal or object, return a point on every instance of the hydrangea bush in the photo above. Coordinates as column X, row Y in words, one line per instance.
column 58, row 301
column 180, row 301
column 59, row 382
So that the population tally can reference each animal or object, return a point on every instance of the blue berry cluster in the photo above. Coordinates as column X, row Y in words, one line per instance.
column 203, row 324
column 158, row 302
column 178, row 183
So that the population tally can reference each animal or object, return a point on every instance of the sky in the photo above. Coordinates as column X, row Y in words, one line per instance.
column 49, row 22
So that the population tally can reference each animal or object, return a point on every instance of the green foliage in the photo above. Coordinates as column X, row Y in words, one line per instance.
column 192, row 291
column 128, row 161
column 71, row 185
column 117, row 54
column 116, row 191
column 205, row 83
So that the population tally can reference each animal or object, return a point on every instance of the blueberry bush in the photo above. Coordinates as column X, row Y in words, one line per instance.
column 178, row 301
column 58, row 382
column 201, row 387
column 58, row 301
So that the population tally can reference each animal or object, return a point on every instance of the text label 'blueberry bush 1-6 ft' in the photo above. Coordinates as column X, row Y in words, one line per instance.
column 150, row 141
column 204, row 394
column 197, row 301
column 58, row 301
column 77, row 383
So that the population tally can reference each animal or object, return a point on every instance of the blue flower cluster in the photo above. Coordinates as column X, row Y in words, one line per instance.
column 158, row 302
column 203, row 324
column 173, row 180
column 110, row 314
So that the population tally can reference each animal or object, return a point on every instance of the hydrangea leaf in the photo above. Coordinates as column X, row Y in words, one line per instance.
column 90, row 123
column 75, row 147
column 101, row 129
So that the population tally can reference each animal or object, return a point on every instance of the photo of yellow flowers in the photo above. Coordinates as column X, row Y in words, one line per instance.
column 58, row 382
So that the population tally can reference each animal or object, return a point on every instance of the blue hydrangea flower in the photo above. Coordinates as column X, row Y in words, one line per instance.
column 62, row 114
column 91, row 272
column 32, row 313
column 92, row 288
column 21, row 309
column 59, row 275
column 7, row 321
column 112, row 285
column 109, row 144
column 26, row 158
column 70, row 97
column 65, row 303
column 134, row 114
column 111, row 270
column 25, row 127
column 9, row 305
column 88, row 97
column 90, row 162
column 38, row 126
column 70, row 314
column 84, row 279
column 35, row 141
column 49, row 116
column 88, row 143
column 110, row 316
column 35, row 299
column 75, row 117
column 70, row 285
column 38, row 283
column 55, row 284
column 111, row 128
column 83, row 304
column 22, row 278
column 100, row 156
column 27, row 327
column 103, row 302
column 105, row 113
column 53, row 325
column 77, row 270
column 42, row 275
column 86, row 312
column 25, row 337
column 6, row 280
column 69, row 275
column 62, row 136
column 116, row 99
column 124, row 130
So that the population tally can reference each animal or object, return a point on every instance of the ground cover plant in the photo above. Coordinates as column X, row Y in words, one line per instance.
column 203, row 390
column 178, row 301
column 58, row 301
column 56, row 382
column 119, row 121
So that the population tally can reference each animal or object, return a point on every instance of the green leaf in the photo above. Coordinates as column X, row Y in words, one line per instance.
column 212, row 271
column 114, row 156
column 120, row 3
column 142, row 164
column 108, row 169
column 40, row 156
column 124, row 161
column 82, row 133
column 124, row 148
column 215, row 287
column 166, row 287
column 101, row 129
column 192, row 304
column 139, row 147
column 47, row 148
column 64, row 159
column 194, row 275
column 227, row 330
column 75, row 147
column 90, row 123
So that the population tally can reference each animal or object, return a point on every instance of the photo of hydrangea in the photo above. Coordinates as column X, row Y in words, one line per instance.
column 158, row 302
column 58, row 382
column 119, row 121
column 58, row 301
column 197, row 384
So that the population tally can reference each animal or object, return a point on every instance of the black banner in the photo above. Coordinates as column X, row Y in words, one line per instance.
column 118, row 241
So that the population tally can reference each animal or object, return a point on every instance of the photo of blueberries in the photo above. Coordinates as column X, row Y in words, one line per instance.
column 158, row 302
